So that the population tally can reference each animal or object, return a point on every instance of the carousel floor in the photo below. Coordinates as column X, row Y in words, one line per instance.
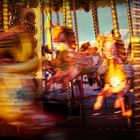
column 107, row 123
column 85, row 124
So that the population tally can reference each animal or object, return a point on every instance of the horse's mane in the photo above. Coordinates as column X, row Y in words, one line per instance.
column 66, row 31
column 119, row 45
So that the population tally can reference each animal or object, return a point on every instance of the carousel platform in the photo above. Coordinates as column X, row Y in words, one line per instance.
column 84, row 123
column 81, row 122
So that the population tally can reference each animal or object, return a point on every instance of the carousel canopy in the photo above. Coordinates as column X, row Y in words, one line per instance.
column 56, row 5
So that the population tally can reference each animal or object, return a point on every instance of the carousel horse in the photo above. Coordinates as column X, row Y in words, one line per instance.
column 69, row 63
column 18, row 93
column 118, row 76
column 17, row 47
column 92, row 77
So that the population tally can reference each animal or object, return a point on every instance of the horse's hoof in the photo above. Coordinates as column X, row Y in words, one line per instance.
column 97, row 106
column 128, row 113
column 117, row 103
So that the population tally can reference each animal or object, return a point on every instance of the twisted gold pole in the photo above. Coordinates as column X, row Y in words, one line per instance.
column 129, row 17
column 95, row 17
column 67, row 18
column 136, row 18
column 75, row 24
column 48, row 24
column 68, row 13
column 115, row 19
column 68, row 90
column 135, row 42
column 64, row 13
column 1, row 17
column 5, row 15
column 119, row 43
column 43, row 22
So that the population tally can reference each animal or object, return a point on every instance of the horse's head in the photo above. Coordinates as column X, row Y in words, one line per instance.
column 107, row 45
column 111, row 47
column 63, row 34
column 85, row 46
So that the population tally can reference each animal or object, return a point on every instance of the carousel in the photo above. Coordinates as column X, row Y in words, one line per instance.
column 45, row 67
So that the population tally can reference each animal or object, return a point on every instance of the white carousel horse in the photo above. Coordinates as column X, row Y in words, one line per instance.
column 71, row 64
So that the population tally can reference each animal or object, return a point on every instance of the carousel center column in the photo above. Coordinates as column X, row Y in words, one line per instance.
column 31, row 20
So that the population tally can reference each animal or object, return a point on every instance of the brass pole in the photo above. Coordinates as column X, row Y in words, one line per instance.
column 5, row 15
column 95, row 17
column 75, row 23
column 64, row 13
column 117, row 36
column 136, row 18
column 135, row 42
column 129, row 15
column 1, row 17
column 68, row 13
column 43, row 22
column 115, row 19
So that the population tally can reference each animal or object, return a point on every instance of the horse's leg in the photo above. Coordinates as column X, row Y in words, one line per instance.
column 65, row 76
column 70, row 75
column 120, row 103
column 100, row 97
column 57, row 77
column 99, row 101
column 117, row 103
column 120, row 95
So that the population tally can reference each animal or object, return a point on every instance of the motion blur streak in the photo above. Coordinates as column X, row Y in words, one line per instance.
column 18, row 85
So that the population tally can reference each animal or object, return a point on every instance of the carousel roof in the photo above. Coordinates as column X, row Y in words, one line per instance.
column 56, row 5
